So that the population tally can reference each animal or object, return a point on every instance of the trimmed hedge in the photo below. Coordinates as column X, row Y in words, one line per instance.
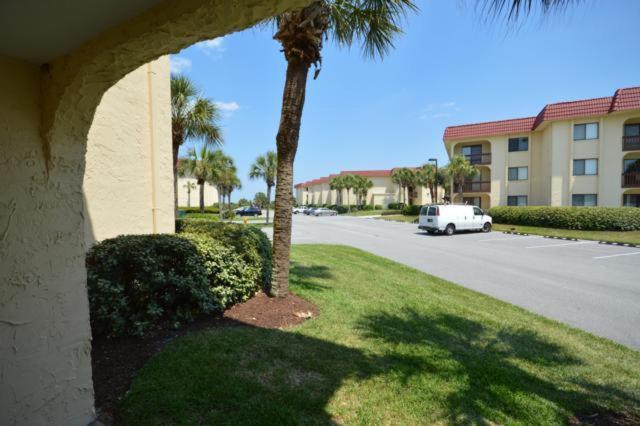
column 390, row 212
column 411, row 210
column 583, row 218
column 250, row 242
column 138, row 281
column 207, row 209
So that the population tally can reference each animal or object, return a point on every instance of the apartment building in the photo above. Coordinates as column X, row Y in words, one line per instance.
column 578, row 153
column 383, row 192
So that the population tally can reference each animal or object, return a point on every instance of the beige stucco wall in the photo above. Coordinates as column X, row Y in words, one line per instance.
column 131, row 193
column 210, row 193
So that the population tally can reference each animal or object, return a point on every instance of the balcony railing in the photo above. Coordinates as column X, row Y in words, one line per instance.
column 631, row 180
column 630, row 143
column 483, row 158
column 473, row 186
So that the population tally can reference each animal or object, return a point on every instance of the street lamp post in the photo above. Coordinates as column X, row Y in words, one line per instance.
column 435, row 160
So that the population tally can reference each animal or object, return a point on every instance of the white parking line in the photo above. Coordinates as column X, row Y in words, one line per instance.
column 510, row 239
column 616, row 255
column 575, row 243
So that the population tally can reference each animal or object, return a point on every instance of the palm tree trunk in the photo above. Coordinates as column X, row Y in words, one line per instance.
column 176, row 149
column 201, row 197
column 220, row 206
column 268, row 200
column 287, row 145
column 189, row 196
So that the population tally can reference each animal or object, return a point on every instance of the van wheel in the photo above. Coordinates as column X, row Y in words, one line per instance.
column 450, row 229
column 486, row 227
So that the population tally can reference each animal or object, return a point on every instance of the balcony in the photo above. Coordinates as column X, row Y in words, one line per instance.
column 631, row 180
column 474, row 186
column 483, row 158
column 630, row 143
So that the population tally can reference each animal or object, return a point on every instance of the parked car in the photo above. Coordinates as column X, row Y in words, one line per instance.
column 309, row 210
column 449, row 218
column 299, row 209
column 323, row 211
column 249, row 211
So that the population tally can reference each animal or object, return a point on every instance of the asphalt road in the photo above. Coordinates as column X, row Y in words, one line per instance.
column 584, row 284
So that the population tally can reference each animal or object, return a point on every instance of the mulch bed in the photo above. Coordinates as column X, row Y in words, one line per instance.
column 605, row 418
column 116, row 361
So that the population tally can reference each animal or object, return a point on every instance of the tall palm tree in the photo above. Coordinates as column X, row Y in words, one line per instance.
column 337, row 184
column 200, row 165
column 459, row 170
column 361, row 187
column 189, row 186
column 265, row 168
column 430, row 177
column 192, row 118
column 301, row 33
column 397, row 178
column 348, row 181
column 227, row 181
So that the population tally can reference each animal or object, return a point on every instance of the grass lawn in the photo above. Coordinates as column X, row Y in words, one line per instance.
column 399, row 218
column 368, row 212
column 614, row 236
column 391, row 345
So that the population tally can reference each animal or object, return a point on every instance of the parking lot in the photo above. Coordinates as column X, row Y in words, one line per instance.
column 588, row 285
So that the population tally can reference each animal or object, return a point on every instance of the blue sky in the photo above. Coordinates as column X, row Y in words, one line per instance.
column 450, row 67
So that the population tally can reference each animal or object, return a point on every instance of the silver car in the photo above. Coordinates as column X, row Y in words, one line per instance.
column 323, row 211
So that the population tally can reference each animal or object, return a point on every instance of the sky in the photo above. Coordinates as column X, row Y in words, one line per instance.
column 451, row 66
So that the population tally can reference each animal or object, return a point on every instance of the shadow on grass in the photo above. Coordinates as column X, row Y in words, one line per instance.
column 501, row 376
column 304, row 275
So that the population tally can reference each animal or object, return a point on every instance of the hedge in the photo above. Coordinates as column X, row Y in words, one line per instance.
column 207, row 209
column 411, row 210
column 250, row 242
column 136, row 282
column 582, row 218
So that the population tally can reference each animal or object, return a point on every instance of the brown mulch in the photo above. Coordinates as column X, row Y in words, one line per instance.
column 605, row 418
column 116, row 361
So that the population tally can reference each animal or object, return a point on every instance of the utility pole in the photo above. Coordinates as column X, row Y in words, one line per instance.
column 435, row 160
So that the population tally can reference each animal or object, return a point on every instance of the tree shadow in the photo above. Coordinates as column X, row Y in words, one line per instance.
column 501, row 377
column 304, row 276
column 240, row 374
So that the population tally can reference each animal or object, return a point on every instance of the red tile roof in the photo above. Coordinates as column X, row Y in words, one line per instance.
column 624, row 99
column 365, row 173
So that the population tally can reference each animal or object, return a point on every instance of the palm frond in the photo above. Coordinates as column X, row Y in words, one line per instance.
column 515, row 9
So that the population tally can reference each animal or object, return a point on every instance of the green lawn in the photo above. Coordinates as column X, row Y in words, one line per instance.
column 399, row 218
column 392, row 345
column 613, row 236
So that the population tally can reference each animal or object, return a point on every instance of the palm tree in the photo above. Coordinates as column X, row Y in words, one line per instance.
column 430, row 177
column 396, row 177
column 265, row 168
column 361, row 187
column 192, row 118
column 200, row 165
column 301, row 33
column 189, row 186
column 227, row 181
column 337, row 183
column 348, row 182
column 459, row 170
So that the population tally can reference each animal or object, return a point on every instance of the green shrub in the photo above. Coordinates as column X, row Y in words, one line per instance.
column 250, row 242
column 411, row 210
column 584, row 218
column 208, row 216
column 231, row 279
column 378, row 207
column 390, row 212
column 136, row 282
column 366, row 207
column 207, row 209
column 395, row 206
column 229, row 214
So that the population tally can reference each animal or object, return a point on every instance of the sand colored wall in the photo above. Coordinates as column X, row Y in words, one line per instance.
column 131, row 193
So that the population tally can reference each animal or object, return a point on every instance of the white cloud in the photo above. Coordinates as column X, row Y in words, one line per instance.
column 179, row 64
column 228, row 108
column 439, row 110
column 215, row 45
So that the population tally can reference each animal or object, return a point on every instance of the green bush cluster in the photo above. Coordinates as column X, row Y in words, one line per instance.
column 411, row 210
column 396, row 206
column 136, row 281
column 583, row 218
column 377, row 207
column 250, row 242
column 207, row 209
column 390, row 212
column 208, row 216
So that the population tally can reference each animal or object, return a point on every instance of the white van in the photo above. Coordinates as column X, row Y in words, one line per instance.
column 449, row 218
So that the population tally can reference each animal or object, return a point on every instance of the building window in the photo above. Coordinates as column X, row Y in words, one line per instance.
column 518, row 144
column 585, row 131
column 517, row 200
column 632, row 130
column 585, row 167
column 584, row 200
column 631, row 200
column 518, row 173
column 631, row 165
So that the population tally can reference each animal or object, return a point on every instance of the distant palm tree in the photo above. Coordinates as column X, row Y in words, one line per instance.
column 192, row 117
column 337, row 184
column 348, row 181
column 227, row 181
column 430, row 177
column 397, row 178
column 189, row 186
column 200, row 165
column 265, row 168
column 459, row 170
column 361, row 189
